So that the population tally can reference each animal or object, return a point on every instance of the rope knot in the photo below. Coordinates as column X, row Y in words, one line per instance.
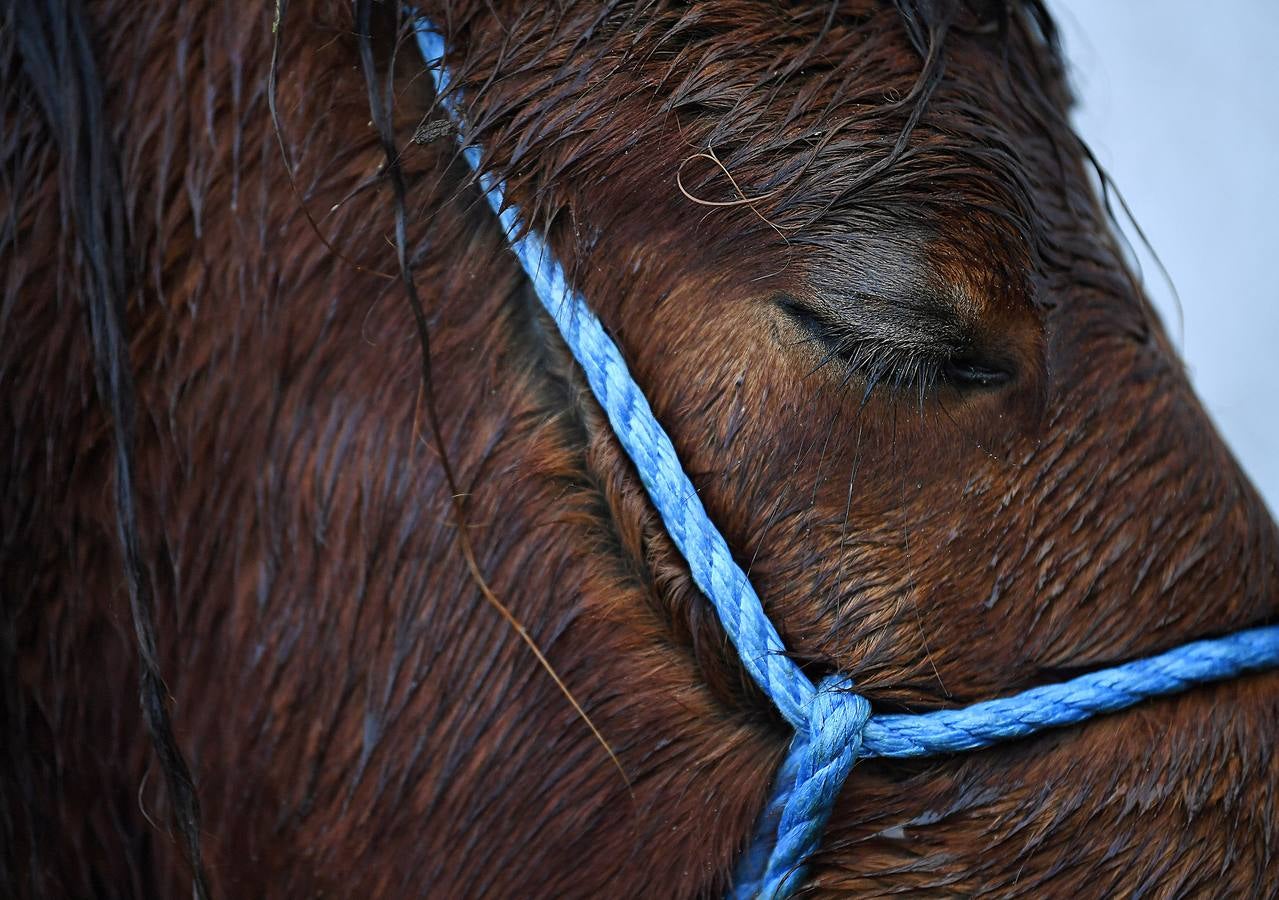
column 836, row 719
column 821, row 756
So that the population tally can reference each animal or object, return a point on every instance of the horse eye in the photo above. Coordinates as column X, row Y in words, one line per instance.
column 911, row 349
column 970, row 372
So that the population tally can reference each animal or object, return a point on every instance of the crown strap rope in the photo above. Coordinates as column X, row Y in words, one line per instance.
column 834, row 726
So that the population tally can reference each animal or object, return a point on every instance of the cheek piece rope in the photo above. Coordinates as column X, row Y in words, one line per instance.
column 834, row 727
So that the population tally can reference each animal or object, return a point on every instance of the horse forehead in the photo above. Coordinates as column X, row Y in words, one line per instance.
column 748, row 81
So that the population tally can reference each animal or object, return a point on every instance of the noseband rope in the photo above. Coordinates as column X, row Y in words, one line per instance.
column 834, row 727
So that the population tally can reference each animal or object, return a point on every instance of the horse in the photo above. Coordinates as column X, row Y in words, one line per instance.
column 293, row 457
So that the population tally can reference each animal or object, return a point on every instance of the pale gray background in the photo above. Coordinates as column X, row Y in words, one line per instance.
column 1178, row 100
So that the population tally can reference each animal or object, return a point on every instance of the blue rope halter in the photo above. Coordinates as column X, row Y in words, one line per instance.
column 834, row 727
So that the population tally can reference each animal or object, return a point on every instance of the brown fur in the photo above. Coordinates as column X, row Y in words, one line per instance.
column 358, row 721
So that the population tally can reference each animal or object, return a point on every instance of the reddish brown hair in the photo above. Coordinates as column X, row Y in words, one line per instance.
column 208, row 406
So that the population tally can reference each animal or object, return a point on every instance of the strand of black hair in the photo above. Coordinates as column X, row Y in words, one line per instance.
column 59, row 63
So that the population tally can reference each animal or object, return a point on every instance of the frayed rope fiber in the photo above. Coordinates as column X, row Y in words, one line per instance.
column 834, row 726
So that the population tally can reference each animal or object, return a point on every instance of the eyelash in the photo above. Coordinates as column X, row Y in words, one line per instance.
column 880, row 365
column 901, row 370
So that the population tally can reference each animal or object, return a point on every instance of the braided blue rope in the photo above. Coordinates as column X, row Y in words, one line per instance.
column 802, row 797
column 833, row 725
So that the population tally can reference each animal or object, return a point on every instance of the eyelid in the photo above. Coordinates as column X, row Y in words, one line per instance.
column 908, row 355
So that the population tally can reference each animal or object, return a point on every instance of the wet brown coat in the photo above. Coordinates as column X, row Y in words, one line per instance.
column 358, row 720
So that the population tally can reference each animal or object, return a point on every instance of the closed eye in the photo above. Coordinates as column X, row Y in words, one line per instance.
column 970, row 372
column 906, row 349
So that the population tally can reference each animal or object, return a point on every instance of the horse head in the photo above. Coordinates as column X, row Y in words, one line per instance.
column 422, row 629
